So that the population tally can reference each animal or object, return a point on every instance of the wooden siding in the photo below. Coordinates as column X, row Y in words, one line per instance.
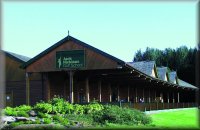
column 18, row 88
column 13, row 72
column 93, row 59
column 16, row 84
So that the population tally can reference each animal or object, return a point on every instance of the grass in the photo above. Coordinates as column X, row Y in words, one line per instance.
column 179, row 119
column 184, row 118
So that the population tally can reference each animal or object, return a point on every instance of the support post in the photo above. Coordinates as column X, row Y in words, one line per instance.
column 27, row 89
column 99, row 86
column 149, row 96
column 143, row 95
column 161, row 97
column 167, row 97
column 173, row 97
column 87, row 90
column 118, row 93
column 71, row 86
column 178, row 97
column 46, row 86
column 136, row 95
column 110, row 92
column 128, row 98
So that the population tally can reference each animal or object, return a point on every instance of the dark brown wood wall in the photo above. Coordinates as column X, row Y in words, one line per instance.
column 93, row 59
column 93, row 86
column 123, row 92
column 18, row 88
column 105, row 92
column 16, row 83
column 13, row 72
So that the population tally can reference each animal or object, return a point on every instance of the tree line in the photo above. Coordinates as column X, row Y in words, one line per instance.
column 181, row 59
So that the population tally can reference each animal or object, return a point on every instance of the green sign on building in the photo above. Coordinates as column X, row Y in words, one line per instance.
column 70, row 59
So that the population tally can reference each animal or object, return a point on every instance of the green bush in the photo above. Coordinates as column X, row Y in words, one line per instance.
column 43, row 115
column 87, row 115
column 24, row 108
column 93, row 107
column 118, row 115
column 84, row 119
column 17, row 111
column 14, row 124
column 57, row 117
column 78, row 109
column 43, row 107
column 10, row 111
column 60, row 119
column 47, row 120
column 59, row 105
column 22, row 113
column 37, row 121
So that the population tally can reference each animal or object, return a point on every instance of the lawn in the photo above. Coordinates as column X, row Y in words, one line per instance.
column 183, row 118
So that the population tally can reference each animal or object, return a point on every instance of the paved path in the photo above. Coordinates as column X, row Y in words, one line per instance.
column 167, row 110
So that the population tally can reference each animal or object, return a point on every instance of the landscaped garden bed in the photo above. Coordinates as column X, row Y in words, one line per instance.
column 58, row 113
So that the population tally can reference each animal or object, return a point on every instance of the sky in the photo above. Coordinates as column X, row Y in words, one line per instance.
column 117, row 28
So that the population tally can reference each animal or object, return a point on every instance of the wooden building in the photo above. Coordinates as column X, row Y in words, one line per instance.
column 81, row 73
column 15, row 81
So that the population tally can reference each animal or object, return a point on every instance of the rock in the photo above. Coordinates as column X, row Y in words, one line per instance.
column 21, row 119
column 32, row 119
column 7, row 119
column 32, row 113
column 38, row 126
column 79, row 125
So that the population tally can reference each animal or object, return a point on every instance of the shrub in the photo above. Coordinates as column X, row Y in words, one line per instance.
column 14, row 124
column 59, row 105
column 84, row 119
column 37, row 121
column 43, row 115
column 10, row 111
column 61, row 120
column 93, row 107
column 57, row 117
column 18, row 111
column 47, row 120
column 43, row 107
column 22, row 113
column 24, row 108
column 118, row 115
column 78, row 109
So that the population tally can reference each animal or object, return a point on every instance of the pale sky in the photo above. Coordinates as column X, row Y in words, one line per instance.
column 118, row 28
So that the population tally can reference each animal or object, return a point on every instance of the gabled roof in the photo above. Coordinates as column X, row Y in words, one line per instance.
column 144, row 66
column 70, row 38
column 183, row 83
column 162, row 72
column 172, row 76
column 19, row 58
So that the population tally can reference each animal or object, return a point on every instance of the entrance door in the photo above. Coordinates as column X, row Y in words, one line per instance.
column 81, row 97
column 9, row 99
